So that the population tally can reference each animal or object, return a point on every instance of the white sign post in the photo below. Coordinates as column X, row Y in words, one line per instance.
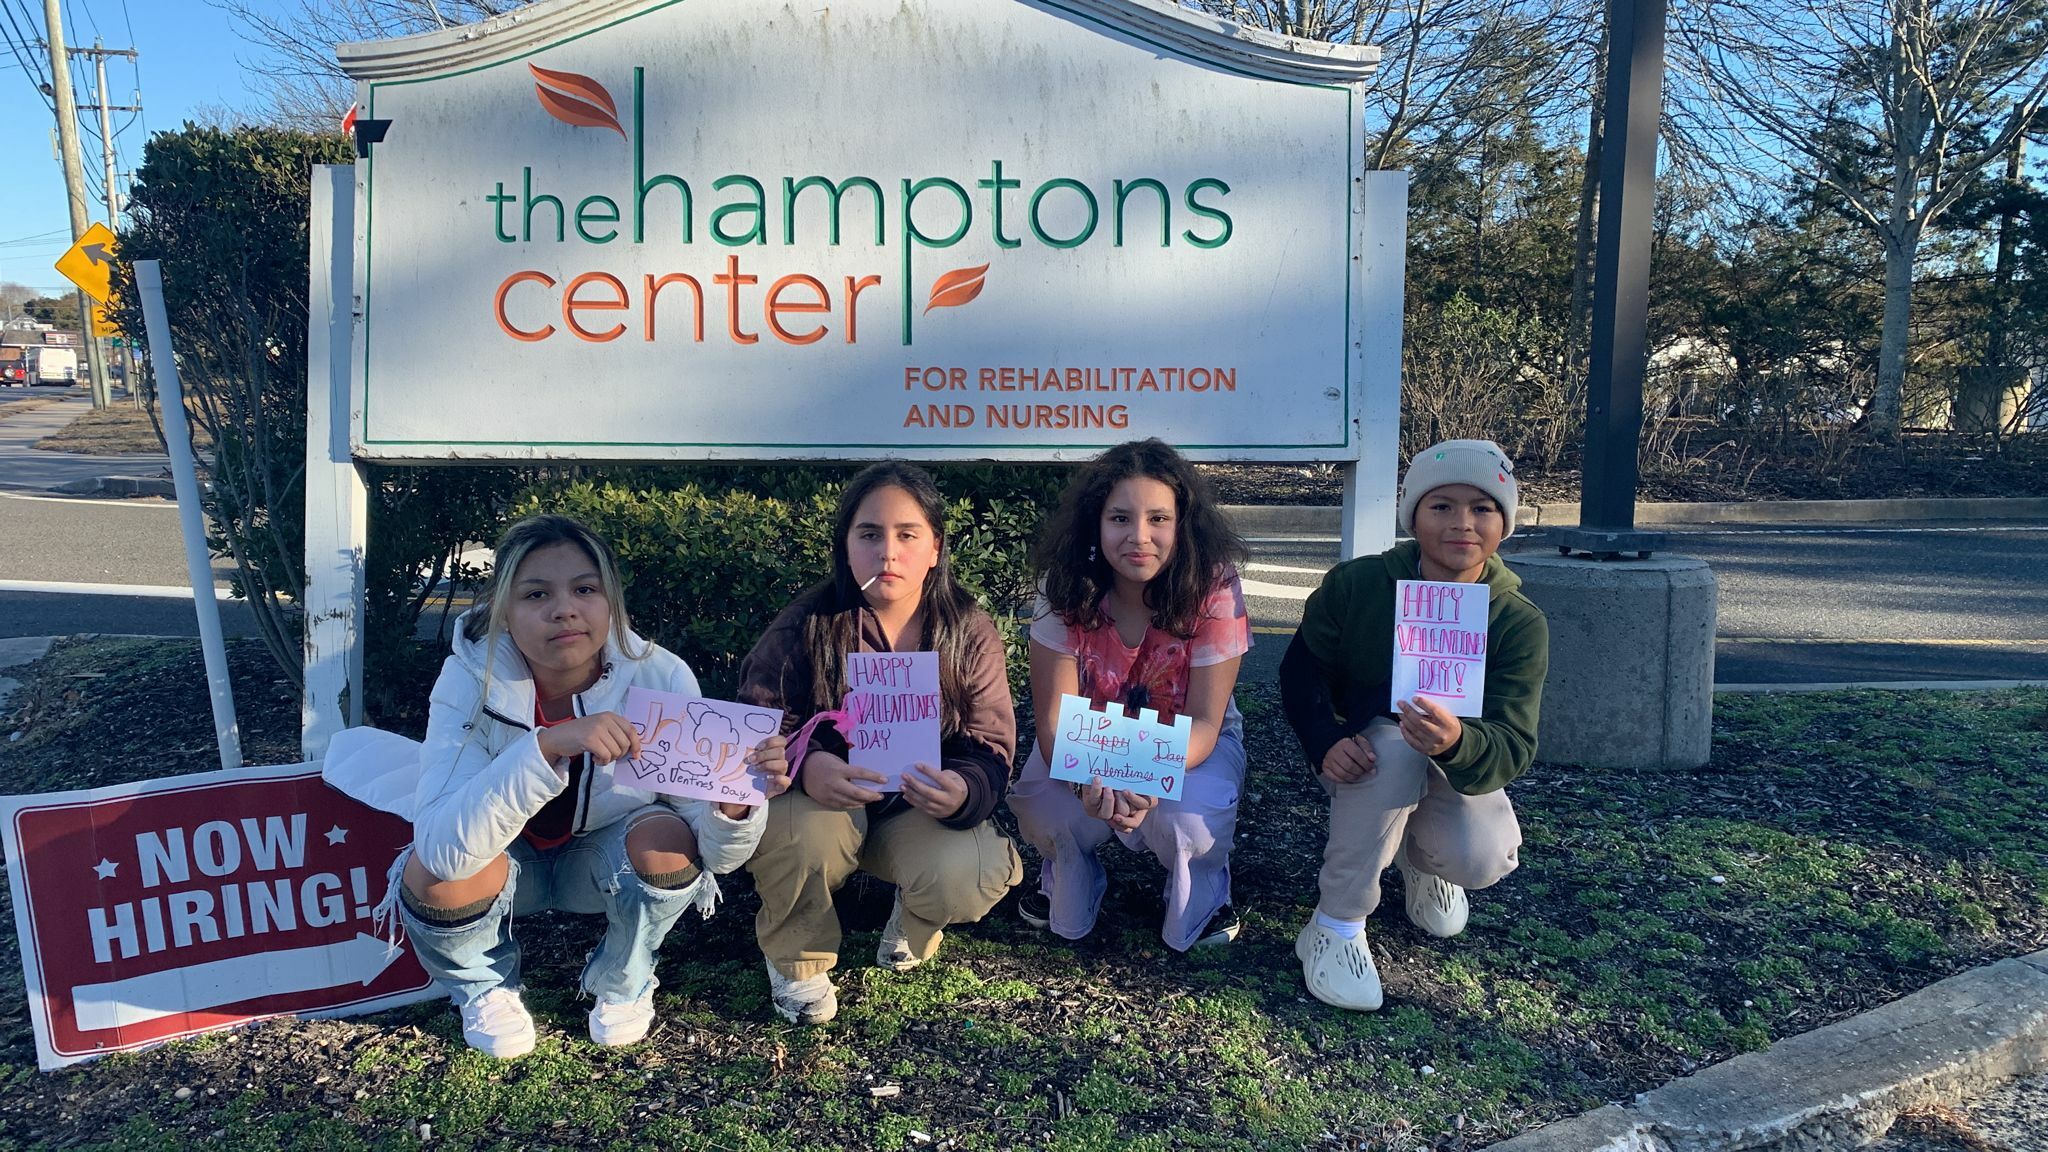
column 935, row 229
column 337, row 499
column 149, row 288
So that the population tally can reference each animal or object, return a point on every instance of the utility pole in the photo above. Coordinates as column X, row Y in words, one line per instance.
column 74, row 186
column 99, row 54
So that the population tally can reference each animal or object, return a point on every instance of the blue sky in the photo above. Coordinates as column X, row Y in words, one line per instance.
column 191, row 58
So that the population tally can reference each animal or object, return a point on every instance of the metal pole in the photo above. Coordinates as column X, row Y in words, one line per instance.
column 1621, row 281
column 99, row 64
column 74, row 183
column 149, row 285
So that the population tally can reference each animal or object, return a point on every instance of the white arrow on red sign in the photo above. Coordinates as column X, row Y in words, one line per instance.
column 138, row 999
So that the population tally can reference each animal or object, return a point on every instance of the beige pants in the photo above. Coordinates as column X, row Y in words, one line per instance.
column 1471, row 841
column 944, row 875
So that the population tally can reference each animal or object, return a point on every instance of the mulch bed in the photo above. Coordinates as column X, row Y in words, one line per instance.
column 121, row 430
column 1840, row 851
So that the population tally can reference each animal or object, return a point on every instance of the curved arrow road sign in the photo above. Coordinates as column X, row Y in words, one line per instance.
column 90, row 262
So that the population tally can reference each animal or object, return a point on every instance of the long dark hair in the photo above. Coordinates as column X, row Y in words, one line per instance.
column 832, row 628
column 1076, row 575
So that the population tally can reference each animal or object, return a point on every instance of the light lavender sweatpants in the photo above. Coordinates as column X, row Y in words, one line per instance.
column 1471, row 841
column 1190, row 836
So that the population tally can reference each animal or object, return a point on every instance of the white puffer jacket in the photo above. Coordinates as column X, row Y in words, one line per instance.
column 480, row 776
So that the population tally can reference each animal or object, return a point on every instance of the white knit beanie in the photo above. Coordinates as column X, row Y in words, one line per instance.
column 1479, row 463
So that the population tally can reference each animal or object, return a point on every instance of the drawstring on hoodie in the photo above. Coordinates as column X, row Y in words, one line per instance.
column 385, row 923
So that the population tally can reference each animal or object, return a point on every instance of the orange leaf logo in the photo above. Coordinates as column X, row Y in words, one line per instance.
column 957, row 287
column 575, row 99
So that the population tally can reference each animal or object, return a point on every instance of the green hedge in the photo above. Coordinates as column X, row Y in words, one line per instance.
column 704, row 571
column 710, row 558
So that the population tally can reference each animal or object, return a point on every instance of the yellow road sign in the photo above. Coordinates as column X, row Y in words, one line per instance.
column 90, row 262
column 103, row 327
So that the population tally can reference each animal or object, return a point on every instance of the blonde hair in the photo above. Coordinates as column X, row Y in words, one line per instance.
column 487, row 619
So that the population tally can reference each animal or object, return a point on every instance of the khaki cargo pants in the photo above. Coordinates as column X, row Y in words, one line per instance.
column 1471, row 841
column 944, row 875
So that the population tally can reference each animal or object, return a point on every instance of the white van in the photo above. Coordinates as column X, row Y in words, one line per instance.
column 52, row 365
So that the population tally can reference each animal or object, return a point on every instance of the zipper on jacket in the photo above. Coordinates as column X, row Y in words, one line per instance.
column 506, row 719
column 578, row 825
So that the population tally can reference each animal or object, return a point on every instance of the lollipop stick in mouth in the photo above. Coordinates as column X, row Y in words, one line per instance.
column 871, row 581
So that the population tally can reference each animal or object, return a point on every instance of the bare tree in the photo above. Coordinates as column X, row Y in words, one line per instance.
column 305, row 88
column 14, row 299
column 1896, row 106
column 1450, row 70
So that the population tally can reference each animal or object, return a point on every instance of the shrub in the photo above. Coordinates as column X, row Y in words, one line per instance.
column 704, row 571
column 225, row 212
column 1470, row 371
column 709, row 559
column 421, row 520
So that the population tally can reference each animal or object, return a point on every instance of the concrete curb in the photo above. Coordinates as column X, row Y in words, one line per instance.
column 1839, row 1086
column 1322, row 520
column 121, row 486
column 1883, row 686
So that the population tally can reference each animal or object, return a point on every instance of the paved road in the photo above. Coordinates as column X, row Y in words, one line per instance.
column 57, row 614
column 24, row 467
column 1943, row 602
column 1802, row 605
column 92, row 541
column 52, row 543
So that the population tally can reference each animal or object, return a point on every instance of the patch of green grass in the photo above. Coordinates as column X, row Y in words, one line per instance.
column 1101, row 1091
column 1865, row 845
column 1525, row 1009
column 1096, row 1134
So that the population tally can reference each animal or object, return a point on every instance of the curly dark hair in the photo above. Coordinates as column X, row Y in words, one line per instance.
column 1076, row 576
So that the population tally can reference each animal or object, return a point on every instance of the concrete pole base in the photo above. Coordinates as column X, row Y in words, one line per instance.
column 1631, row 681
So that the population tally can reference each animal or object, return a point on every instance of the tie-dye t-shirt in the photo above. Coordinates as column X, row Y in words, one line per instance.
column 1155, row 674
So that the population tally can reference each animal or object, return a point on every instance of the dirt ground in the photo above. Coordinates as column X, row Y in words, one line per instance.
column 121, row 430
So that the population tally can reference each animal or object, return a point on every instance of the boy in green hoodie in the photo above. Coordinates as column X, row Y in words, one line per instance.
column 1410, row 783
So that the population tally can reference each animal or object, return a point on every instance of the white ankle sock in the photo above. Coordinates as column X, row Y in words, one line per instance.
column 1348, row 929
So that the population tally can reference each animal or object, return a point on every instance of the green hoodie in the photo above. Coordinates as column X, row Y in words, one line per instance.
column 1348, row 628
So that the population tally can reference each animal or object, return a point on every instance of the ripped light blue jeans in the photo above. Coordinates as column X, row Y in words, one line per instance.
column 587, row 875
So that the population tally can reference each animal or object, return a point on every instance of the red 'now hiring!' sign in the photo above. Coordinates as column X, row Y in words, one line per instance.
column 165, row 908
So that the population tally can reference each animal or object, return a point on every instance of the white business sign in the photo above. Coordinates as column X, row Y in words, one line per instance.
column 674, row 229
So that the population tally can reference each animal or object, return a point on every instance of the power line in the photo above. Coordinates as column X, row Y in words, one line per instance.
column 37, row 236
column 71, row 14
column 135, row 73
column 23, row 49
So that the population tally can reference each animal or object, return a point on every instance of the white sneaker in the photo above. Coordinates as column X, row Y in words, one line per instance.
column 616, row 1024
column 810, row 1001
column 893, row 952
column 1434, row 904
column 497, row 1024
column 1338, row 972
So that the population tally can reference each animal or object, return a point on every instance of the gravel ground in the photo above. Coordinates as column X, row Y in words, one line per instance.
column 2012, row 1119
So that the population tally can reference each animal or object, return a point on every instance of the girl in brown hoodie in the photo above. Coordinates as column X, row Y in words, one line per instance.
column 891, row 590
